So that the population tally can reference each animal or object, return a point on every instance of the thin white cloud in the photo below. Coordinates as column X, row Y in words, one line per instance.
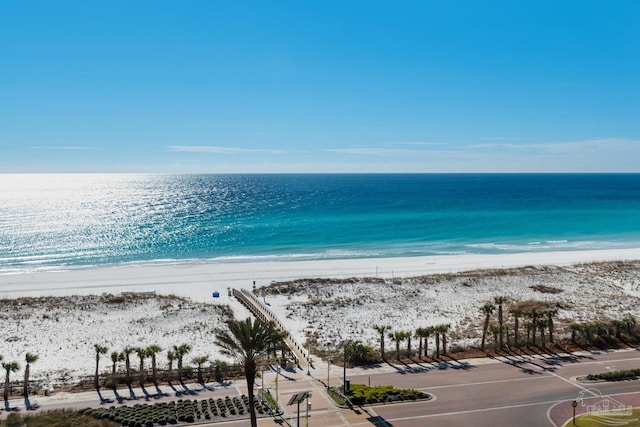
column 214, row 149
column 565, row 147
column 68, row 147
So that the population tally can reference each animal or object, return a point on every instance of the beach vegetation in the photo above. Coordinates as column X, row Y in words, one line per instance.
column 247, row 340
column 357, row 353
column 423, row 334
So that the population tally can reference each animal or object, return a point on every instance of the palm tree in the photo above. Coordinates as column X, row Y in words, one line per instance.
column 407, row 336
column 142, row 354
column 534, row 315
column 247, row 340
column 29, row 359
column 100, row 349
column 220, row 368
column 180, row 352
column 171, row 356
column 495, row 330
column 542, row 324
column 200, row 360
column 575, row 328
column 487, row 310
column 500, row 301
column 126, row 355
column 382, row 330
column 443, row 329
column 8, row 367
column 630, row 324
column 550, row 311
column 152, row 350
column 528, row 326
column 517, row 314
column 618, row 325
column 397, row 337
column 115, row 358
column 423, row 334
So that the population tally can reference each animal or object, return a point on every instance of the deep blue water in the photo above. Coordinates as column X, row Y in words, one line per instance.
column 66, row 221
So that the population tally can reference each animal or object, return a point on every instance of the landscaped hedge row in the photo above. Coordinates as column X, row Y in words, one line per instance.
column 181, row 411
column 627, row 374
column 360, row 394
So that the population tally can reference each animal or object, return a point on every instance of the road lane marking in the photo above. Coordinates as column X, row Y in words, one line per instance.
column 482, row 383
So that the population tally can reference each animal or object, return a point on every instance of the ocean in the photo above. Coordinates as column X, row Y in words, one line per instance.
column 65, row 221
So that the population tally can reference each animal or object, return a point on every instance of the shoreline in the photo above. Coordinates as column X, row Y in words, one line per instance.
column 198, row 280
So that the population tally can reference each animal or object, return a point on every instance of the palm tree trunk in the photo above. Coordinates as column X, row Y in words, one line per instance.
column 516, row 331
column 420, row 349
column 444, row 344
column 485, row 328
column 250, row 370
column 25, row 390
column 437, row 345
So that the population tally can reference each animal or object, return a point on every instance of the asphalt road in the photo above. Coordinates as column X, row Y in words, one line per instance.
column 534, row 391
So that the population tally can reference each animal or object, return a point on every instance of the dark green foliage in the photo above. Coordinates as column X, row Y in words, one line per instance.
column 360, row 394
column 628, row 374
column 357, row 354
column 56, row 418
column 181, row 411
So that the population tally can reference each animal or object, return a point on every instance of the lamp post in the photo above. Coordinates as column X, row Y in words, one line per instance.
column 574, row 404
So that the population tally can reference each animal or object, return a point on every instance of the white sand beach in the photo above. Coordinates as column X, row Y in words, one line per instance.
column 63, row 336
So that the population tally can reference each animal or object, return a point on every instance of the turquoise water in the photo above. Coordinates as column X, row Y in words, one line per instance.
column 68, row 221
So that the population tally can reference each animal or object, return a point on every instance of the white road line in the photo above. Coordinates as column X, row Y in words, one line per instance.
column 483, row 383
column 471, row 411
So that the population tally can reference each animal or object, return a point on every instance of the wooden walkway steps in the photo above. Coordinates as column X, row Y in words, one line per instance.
column 264, row 313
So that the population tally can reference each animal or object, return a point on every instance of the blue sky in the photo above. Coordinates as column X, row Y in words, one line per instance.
column 323, row 86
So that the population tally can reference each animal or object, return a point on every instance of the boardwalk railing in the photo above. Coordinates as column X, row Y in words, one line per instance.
column 265, row 314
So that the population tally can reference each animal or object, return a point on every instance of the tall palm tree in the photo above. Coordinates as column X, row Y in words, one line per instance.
column 517, row 314
column 8, row 367
column 100, row 349
column 181, row 351
column 382, row 330
column 29, row 359
column 200, row 360
column 423, row 335
column 171, row 356
column 397, row 337
column 575, row 328
column 534, row 315
column 487, row 310
column 528, row 326
column 126, row 355
column 500, row 301
column 443, row 329
column 495, row 330
column 142, row 354
column 542, row 324
column 247, row 340
column 152, row 351
column 407, row 336
column 115, row 358
column 550, row 312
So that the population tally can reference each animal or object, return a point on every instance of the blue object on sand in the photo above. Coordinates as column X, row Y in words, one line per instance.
column 216, row 294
